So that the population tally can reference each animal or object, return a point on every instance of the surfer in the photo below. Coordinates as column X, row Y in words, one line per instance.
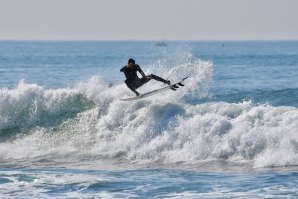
column 133, row 81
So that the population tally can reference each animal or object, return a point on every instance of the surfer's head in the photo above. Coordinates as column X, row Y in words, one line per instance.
column 131, row 61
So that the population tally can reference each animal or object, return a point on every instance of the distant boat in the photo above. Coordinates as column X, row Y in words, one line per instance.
column 161, row 44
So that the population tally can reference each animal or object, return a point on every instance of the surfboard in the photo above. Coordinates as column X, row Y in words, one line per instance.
column 173, row 87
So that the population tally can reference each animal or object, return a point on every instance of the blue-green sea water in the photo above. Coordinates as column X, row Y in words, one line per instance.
column 230, row 132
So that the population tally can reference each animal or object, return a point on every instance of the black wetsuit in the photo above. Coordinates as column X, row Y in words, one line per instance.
column 133, row 81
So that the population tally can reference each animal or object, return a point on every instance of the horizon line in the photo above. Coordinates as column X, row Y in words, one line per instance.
column 144, row 40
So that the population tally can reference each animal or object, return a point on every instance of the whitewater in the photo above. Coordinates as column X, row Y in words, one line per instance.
column 225, row 134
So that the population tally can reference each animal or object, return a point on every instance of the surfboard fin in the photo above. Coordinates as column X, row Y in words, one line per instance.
column 175, row 86
column 180, row 84
column 173, row 89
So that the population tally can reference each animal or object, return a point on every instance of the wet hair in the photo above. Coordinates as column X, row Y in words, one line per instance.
column 131, row 60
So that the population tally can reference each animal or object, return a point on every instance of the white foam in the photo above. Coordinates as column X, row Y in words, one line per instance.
column 27, row 104
column 51, row 184
column 160, row 129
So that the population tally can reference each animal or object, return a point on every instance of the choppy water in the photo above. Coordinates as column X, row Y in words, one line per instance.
column 232, row 131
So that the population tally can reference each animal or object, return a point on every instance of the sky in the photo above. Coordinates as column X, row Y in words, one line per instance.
column 148, row 19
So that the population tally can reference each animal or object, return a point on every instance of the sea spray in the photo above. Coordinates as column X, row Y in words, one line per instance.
column 169, row 133
column 88, row 122
column 29, row 105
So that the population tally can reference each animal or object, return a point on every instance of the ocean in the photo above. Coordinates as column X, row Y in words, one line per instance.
column 230, row 132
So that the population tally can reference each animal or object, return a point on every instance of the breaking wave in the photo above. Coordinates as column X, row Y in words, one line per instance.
column 88, row 122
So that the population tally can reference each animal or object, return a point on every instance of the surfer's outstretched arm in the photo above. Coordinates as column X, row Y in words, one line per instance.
column 140, row 70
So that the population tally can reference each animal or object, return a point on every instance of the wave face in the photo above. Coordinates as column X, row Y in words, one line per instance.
column 88, row 122
column 30, row 105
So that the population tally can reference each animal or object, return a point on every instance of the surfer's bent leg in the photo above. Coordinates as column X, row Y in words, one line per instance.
column 132, row 87
column 159, row 79
column 144, row 80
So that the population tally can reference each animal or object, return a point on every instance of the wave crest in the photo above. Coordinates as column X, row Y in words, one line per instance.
column 88, row 122
column 30, row 105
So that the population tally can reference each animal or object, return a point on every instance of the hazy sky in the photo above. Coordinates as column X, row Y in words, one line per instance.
column 149, row 19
